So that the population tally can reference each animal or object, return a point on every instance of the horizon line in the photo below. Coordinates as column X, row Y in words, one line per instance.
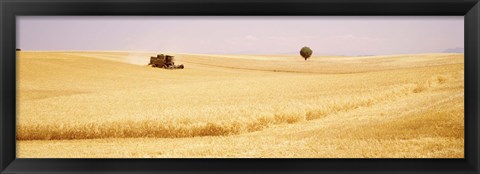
column 168, row 52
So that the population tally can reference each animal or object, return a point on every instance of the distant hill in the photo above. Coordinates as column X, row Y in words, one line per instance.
column 454, row 50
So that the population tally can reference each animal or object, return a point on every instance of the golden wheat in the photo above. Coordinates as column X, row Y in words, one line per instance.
column 80, row 98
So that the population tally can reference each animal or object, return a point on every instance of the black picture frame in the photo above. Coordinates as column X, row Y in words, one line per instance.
column 9, row 9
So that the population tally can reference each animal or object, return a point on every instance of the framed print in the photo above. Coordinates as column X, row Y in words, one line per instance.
column 239, row 86
column 359, row 87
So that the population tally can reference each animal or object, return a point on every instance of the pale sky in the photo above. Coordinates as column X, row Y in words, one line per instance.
column 326, row 35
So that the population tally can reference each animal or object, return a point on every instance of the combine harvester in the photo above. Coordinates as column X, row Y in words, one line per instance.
column 164, row 61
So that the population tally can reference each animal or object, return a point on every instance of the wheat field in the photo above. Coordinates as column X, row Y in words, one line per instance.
column 110, row 104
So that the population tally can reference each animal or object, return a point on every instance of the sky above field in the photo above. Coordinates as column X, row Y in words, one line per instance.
column 245, row 35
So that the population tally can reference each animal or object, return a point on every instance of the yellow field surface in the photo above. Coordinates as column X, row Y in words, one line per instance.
column 112, row 105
